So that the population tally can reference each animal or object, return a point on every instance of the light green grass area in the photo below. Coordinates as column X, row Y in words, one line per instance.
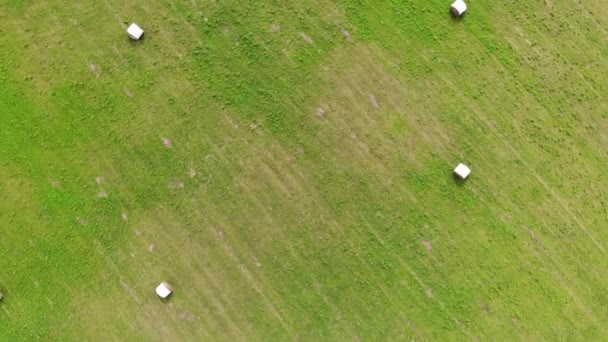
column 286, row 165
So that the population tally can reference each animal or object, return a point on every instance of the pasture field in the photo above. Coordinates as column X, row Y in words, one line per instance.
column 286, row 165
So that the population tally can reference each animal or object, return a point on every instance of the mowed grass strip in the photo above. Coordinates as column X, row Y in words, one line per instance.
column 288, row 168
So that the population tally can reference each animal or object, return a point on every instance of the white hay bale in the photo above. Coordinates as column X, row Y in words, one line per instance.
column 164, row 290
column 135, row 32
column 462, row 171
column 458, row 8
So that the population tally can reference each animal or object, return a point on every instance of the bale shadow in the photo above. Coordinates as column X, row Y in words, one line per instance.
column 457, row 180
column 456, row 18
column 137, row 41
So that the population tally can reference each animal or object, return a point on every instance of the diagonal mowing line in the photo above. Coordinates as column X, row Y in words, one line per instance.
column 567, row 287
column 114, row 268
column 218, row 299
column 209, row 278
column 110, row 263
column 81, row 238
column 288, row 182
column 505, row 142
column 132, row 293
column 218, row 304
column 116, row 16
column 117, row 272
column 558, row 272
column 318, row 289
column 341, row 122
column 565, row 284
column 590, row 16
column 554, row 195
column 419, row 280
column 249, row 276
column 547, row 226
column 336, row 308
column 336, row 228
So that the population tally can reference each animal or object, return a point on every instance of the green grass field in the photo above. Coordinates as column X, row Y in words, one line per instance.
column 286, row 165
